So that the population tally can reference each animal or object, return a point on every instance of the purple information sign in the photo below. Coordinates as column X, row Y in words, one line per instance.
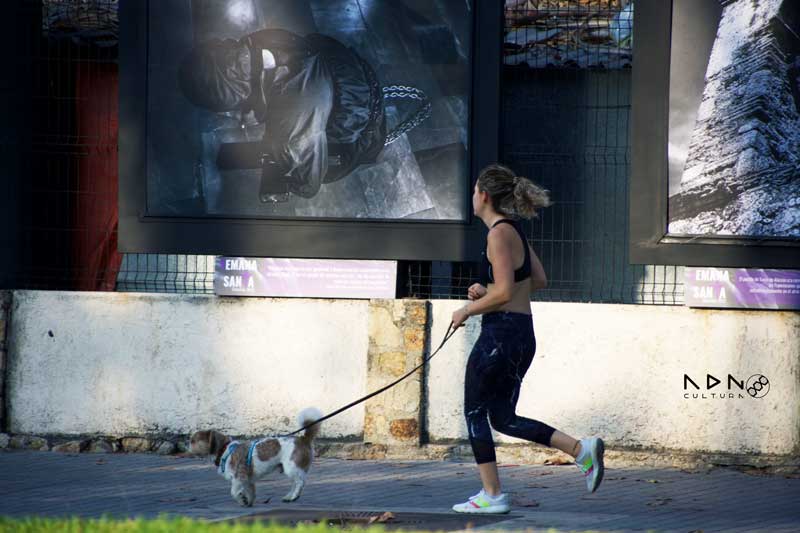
column 742, row 288
column 306, row 278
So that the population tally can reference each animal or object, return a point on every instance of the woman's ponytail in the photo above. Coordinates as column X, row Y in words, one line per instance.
column 529, row 198
column 512, row 195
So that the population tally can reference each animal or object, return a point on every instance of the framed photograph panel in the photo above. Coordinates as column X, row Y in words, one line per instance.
column 715, row 178
column 306, row 128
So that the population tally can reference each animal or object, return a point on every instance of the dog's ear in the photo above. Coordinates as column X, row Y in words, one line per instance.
column 198, row 436
column 217, row 445
column 216, row 442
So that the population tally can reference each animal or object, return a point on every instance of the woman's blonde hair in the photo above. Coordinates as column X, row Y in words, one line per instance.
column 512, row 195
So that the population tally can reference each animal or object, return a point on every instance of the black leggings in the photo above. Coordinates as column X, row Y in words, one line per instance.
column 498, row 362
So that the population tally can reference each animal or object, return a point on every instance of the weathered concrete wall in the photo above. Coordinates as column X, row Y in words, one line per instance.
column 133, row 364
column 617, row 371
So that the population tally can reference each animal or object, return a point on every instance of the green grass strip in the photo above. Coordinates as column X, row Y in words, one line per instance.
column 173, row 525
column 159, row 525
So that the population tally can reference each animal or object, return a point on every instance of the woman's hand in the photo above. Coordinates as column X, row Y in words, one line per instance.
column 476, row 291
column 459, row 317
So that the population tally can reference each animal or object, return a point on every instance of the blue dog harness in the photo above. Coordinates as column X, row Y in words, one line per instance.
column 228, row 451
column 250, row 451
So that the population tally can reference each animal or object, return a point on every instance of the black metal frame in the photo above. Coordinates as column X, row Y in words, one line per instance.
column 274, row 237
column 648, row 241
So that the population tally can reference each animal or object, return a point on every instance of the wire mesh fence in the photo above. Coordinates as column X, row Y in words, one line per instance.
column 566, row 109
column 59, row 146
column 565, row 124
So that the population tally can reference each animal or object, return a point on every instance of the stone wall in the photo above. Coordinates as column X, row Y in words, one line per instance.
column 396, row 345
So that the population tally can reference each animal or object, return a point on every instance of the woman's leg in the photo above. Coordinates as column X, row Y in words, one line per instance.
column 517, row 357
column 503, row 416
column 588, row 453
column 477, row 396
column 490, row 479
column 478, row 389
column 505, row 420
column 565, row 443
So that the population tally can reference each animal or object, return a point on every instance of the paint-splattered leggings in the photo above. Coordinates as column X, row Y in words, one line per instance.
column 498, row 362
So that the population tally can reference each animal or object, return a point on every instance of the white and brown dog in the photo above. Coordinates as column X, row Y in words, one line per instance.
column 243, row 463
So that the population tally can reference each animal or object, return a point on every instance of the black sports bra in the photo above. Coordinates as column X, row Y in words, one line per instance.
column 522, row 272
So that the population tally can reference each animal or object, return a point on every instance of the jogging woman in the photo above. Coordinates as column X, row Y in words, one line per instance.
column 506, row 345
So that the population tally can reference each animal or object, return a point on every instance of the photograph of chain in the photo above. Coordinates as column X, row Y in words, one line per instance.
column 399, row 92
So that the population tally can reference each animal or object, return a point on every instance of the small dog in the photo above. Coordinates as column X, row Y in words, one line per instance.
column 243, row 463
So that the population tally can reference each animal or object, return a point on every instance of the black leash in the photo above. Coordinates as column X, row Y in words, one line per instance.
column 450, row 332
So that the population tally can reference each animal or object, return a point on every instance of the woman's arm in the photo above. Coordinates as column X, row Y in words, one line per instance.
column 498, row 244
column 538, row 277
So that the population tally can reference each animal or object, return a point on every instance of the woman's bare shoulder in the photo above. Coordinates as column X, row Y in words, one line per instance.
column 501, row 232
column 500, row 241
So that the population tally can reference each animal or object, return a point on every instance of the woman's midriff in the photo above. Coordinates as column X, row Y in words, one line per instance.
column 520, row 298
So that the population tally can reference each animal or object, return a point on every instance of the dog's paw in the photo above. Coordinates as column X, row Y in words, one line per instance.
column 290, row 498
column 243, row 500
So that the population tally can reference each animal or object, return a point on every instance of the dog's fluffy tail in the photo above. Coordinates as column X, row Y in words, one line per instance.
column 307, row 416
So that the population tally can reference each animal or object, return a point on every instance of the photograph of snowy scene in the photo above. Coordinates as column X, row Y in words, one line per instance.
column 734, row 125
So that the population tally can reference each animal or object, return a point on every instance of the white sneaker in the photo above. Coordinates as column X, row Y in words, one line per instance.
column 483, row 503
column 590, row 462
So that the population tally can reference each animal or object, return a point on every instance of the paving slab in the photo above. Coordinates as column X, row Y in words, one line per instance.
column 543, row 497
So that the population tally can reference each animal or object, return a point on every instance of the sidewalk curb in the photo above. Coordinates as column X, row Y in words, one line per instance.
column 534, row 454
column 525, row 454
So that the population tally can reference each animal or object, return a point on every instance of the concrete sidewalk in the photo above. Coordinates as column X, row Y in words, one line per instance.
column 128, row 485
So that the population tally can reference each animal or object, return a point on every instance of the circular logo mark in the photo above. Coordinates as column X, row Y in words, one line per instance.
column 757, row 386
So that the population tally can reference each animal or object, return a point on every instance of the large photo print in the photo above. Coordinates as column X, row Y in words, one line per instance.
column 313, row 109
column 734, row 121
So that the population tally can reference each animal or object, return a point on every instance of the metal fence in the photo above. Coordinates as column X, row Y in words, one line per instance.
column 566, row 109
column 58, row 146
